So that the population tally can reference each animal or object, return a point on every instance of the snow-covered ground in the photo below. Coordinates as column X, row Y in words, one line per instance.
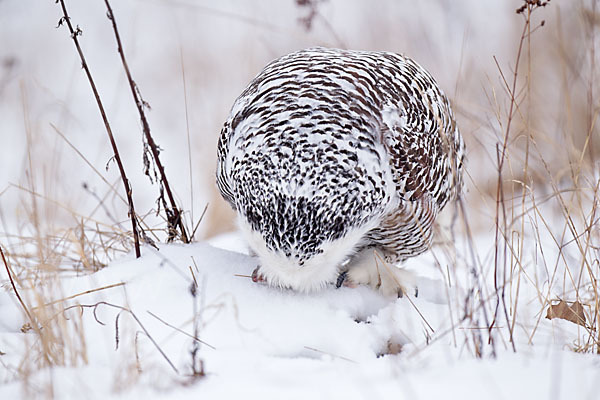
column 264, row 343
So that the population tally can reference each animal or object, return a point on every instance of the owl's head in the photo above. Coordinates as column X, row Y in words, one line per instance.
column 296, row 268
column 301, row 241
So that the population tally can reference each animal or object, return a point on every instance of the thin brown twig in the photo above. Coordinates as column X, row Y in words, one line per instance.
column 85, row 160
column 12, row 282
column 476, row 275
column 181, row 330
column 501, row 158
column 199, row 220
column 174, row 218
column 329, row 354
column 590, row 95
column 81, row 294
column 189, row 141
column 95, row 306
column 128, row 190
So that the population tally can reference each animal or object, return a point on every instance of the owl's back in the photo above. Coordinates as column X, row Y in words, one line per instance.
column 325, row 141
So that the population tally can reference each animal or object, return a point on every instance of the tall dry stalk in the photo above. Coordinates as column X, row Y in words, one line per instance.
column 500, row 220
column 174, row 217
column 128, row 190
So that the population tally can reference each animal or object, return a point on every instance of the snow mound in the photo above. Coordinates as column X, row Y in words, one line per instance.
column 262, row 342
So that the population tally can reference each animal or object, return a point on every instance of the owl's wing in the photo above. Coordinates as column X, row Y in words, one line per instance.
column 424, row 147
column 222, row 175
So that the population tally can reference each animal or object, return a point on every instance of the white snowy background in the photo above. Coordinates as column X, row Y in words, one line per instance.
column 260, row 342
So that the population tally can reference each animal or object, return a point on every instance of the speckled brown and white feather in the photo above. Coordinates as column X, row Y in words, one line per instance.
column 328, row 152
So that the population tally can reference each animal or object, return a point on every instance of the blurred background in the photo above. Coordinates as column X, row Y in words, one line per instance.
column 191, row 59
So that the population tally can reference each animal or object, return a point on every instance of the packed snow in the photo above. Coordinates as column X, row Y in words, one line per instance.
column 260, row 342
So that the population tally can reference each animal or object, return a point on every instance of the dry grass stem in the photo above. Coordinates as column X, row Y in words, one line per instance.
column 173, row 213
column 128, row 190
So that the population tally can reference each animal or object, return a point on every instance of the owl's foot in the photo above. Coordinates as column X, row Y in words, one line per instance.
column 257, row 276
column 369, row 268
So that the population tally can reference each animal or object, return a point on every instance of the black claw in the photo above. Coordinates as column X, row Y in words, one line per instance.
column 340, row 279
column 400, row 293
column 416, row 292
column 256, row 274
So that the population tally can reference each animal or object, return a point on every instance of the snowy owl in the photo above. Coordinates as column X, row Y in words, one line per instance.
column 337, row 163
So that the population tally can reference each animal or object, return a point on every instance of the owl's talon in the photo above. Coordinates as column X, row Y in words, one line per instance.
column 257, row 276
column 340, row 279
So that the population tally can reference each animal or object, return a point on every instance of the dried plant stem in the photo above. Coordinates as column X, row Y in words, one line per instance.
column 590, row 94
column 476, row 276
column 76, row 150
column 500, row 200
column 114, row 285
column 189, row 142
column 173, row 213
column 95, row 306
column 74, row 34
column 12, row 282
column 180, row 330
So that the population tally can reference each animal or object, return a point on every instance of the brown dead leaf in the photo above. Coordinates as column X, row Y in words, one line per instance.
column 392, row 347
column 573, row 312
